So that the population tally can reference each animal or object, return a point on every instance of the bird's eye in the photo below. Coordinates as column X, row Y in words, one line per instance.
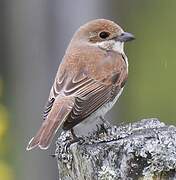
column 104, row 34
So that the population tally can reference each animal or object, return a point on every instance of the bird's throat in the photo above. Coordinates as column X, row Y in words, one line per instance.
column 112, row 45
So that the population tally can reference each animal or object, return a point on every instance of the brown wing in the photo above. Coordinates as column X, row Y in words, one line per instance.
column 55, row 91
column 90, row 95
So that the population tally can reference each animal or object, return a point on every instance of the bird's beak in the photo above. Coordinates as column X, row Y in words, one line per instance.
column 125, row 37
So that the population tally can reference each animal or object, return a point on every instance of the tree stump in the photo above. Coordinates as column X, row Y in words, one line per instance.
column 136, row 151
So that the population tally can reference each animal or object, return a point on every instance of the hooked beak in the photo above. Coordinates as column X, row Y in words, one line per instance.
column 125, row 37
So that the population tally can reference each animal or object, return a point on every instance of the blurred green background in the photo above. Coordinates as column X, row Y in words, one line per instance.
column 152, row 59
column 34, row 35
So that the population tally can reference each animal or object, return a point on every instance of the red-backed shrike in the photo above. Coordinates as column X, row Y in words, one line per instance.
column 89, row 81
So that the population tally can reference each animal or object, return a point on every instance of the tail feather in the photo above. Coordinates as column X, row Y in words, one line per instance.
column 35, row 140
column 52, row 127
column 61, row 108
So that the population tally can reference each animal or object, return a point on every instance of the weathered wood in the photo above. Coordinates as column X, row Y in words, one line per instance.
column 141, row 150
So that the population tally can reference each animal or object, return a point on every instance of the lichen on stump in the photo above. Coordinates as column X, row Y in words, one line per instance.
column 142, row 150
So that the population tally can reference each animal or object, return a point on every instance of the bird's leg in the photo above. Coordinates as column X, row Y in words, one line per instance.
column 106, row 123
column 75, row 138
column 73, row 134
column 104, row 126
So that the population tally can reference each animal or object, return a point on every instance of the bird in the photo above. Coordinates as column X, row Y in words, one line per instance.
column 89, row 80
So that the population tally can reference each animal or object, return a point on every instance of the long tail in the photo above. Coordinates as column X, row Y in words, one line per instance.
column 61, row 108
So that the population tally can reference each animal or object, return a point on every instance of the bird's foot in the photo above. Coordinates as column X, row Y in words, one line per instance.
column 106, row 123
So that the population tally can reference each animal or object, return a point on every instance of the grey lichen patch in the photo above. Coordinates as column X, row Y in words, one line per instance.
column 107, row 172
column 141, row 150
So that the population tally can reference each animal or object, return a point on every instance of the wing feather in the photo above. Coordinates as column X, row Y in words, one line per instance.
column 48, row 107
column 88, row 100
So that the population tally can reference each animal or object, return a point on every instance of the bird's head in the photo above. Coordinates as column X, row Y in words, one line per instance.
column 104, row 34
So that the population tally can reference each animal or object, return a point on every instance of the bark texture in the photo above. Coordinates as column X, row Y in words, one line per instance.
column 141, row 150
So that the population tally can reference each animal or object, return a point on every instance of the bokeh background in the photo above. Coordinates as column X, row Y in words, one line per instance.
column 33, row 37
